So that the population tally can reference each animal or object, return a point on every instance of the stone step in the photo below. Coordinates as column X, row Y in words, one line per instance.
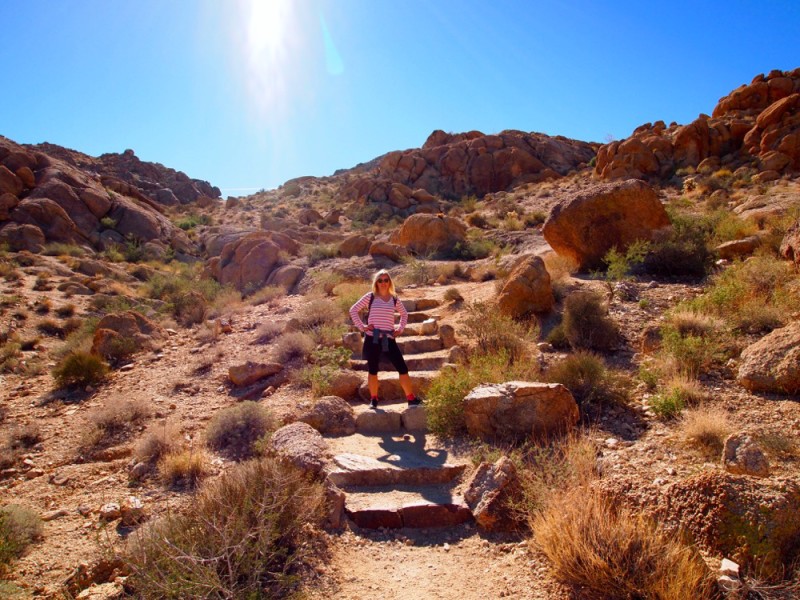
column 416, row 317
column 406, row 506
column 421, row 304
column 396, row 417
column 425, row 361
column 384, row 460
column 429, row 327
column 417, row 344
column 389, row 385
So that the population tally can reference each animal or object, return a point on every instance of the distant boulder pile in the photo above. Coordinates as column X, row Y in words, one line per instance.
column 457, row 165
column 61, row 196
column 756, row 125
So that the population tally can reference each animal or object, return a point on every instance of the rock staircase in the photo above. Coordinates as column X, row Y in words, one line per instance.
column 392, row 472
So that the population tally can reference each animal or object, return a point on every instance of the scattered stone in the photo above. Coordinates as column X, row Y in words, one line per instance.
column 132, row 511
column 331, row 415
column 488, row 493
column 56, row 514
column 447, row 335
column 250, row 372
column 743, row 455
column 772, row 364
column 110, row 511
column 527, row 289
column 414, row 418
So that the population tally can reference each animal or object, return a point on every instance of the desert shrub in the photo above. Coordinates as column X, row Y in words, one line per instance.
column 682, row 251
column 494, row 332
column 753, row 296
column 587, row 324
column 268, row 332
column 245, row 536
column 689, row 322
column 295, row 344
column 234, row 430
column 728, row 226
column 66, row 311
column 187, row 293
column 590, row 381
column 79, row 369
column 113, row 422
column 50, row 328
column 24, row 437
column 266, row 295
column 560, row 267
column 108, row 223
column 183, row 468
column 453, row 295
column 320, row 312
column 159, row 440
column 472, row 249
column 707, row 427
column 690, row 354
column 19, row 528
column 43, row 306
column 417, row 271
column 348, row 293
column 61, row 249
column 477, row 220
column 781, row 445
column 444, row 398
column 318, row 253
column 608, row 551
column 326, row 363
column 535, row 218
column 10, row 355
column 619, row 265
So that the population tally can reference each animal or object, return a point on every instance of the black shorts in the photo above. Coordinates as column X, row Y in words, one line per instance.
column 372, row 353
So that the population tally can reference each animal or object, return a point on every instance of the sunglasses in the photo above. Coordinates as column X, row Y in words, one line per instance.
column 383, row 280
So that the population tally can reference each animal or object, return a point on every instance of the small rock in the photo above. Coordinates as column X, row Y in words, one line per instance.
column 56, row 514
column 110, row 511
column 128, row 367
column 132, row 511
column 84, row 510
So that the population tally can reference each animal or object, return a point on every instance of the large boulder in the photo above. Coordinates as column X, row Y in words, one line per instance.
column 490, row 492
column 247, row 262
column 22, row 237
column 329, row 414
column 9, row 182
column 742, row 455
column 424, row 233
column 355, row 245
column 393, row 252
column 755, row 522
column 121, row 334
column 301, row 445
column 587, row 224
column 772, row 364
column 286, row 277
column 518, row 410
column 250, row 372
column 527, row 289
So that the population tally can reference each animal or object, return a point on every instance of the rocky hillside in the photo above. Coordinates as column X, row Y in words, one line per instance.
column 755, row 127
column 49, row 194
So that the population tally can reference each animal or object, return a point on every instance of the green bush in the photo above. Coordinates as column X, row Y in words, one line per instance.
column 19, row 527
column 79, row 369
column 587, row 324
column 293, row 345
column 619, row 266
column 691, row 354
column 494, row 332
column 668, row 404
column 234, row 430
column 246, row 535
column 590, row 381
column 683, row 251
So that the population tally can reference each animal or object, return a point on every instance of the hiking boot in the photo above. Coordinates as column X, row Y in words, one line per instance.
column 373, row 403
column 415, row 401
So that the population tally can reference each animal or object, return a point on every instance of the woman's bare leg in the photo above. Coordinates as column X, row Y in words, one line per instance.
column 405, row 383
column 372, row 384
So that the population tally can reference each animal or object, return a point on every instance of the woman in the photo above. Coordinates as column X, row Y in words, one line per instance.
column 380, row 330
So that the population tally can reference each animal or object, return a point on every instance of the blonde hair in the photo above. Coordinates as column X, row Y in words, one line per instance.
column 375, row 282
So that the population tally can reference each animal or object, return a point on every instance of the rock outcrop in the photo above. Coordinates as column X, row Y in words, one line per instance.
column 587, row 224
column 772, row 364
column 121, row 334
column 65, row 197
column 790, row 245
column 518, row 410
column 756, row 124
column 756, row 522
column 425, row 234
column 527, row 289
column 489, row 493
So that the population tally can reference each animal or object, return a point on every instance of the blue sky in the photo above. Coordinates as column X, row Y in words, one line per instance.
column 250, row 93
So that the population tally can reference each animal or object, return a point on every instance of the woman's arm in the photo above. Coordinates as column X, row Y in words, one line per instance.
column 358, row 307
column 403, row 318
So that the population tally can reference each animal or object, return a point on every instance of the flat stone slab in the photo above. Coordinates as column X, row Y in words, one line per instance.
column 392, row 469
column 389, row 389
column 417, row 507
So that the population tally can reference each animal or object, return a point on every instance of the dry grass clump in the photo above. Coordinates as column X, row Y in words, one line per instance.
column 112, row 422
column 10, row 354
column 689, row 322
column 453, row 295
column 689, row 354
column 233, row 431
column 266, row 295
column 19, row 527
column 707, row 427
column 24, row 436
column 51, row 328
column 608, row 551
column 268, row 332
column 42, row 306
column 586, row 323
column 79, row 369
column 349, row 292
column 66, row 311
column 159, row 440
column 295, row 344
column 494, row 332
column 184, row 469
column 318, row 313
column 247, row 535
column 590, row 381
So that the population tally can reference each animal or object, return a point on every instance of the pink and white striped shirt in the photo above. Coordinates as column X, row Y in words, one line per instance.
column 381, row 314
